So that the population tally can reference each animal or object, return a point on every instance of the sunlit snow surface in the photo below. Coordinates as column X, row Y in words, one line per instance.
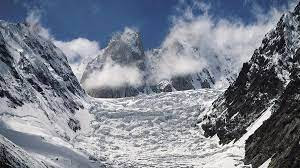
column 159, row 130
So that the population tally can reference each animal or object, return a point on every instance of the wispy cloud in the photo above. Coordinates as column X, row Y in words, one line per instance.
column 33, row 19
column 79, row 48
column 210, row 36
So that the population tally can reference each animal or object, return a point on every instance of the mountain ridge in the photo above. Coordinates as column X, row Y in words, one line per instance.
column 269, row 77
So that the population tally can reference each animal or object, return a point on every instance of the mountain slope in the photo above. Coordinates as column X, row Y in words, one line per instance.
column 12, row 156
column 278, row 138
column 267, row 83
column 40, row 100
column 34, row 71
column 261, row 80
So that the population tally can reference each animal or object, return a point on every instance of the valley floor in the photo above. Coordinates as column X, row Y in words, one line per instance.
column 159, row 130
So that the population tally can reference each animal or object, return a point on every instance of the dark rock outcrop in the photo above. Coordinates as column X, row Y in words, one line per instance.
column 278, row 138
column 165, row 86
column 182, row 83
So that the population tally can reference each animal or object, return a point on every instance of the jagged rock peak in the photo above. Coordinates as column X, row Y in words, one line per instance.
column 125, row 47
column 129, row 35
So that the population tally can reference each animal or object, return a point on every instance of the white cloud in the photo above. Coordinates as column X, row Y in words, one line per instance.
column 178, row 66
column 222, row 37
column 113, row 76
column 34, row 20
column 79, row 52
column 79, row 48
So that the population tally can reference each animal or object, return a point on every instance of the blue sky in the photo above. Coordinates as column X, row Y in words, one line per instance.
column 99, row 19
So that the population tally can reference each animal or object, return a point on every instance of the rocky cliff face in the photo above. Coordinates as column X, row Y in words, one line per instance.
column 278, row 138
column 270, row 77
column 35, row 72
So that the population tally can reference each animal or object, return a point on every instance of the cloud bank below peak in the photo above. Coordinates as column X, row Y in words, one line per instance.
column 114, row 76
